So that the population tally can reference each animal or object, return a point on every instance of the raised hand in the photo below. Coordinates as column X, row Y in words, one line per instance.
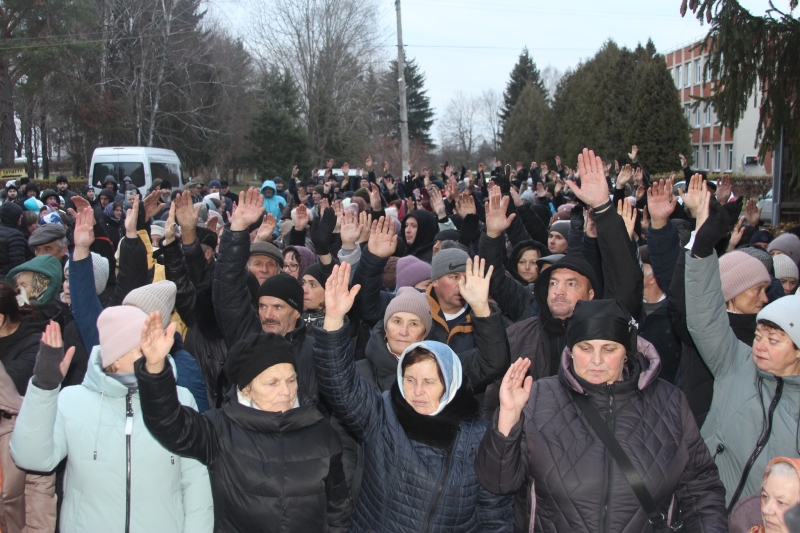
column 152, row 205
column 474, row 287
column 558, row 162
column 249, row 210
column 130, row 219
column 375, row 197
column 637, row 176
column 267, row 228
column 703, row 207
column 752, row 212
column 466, row 204
column 295, row 171
column 346, row 168
column 382, row 238
column 329, row 164
column 437, row 204
column 640, row 192
column 368, row 163
column 301, row 217
column 645, row 220
column 350, row 230
column 724, row 189
column 695, row 193
column 365, row 223
column 338, row 297
column 633, row 153
column 682, row 157
column 518, row 201
column 186, row 215
column 628, row 214
column 156, row 342
column 496, row 220
column 83, row 234
column 80, row 204
column 51, row 362
column 170, row 226
column 593, row 190
column 302, row 195
column 660, row 203
column 736, row 234
column 515, row 390
column 322, row 231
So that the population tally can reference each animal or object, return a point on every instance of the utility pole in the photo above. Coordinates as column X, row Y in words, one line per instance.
column 401, row 80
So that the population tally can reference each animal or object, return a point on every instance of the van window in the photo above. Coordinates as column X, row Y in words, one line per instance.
column 101, row 170
column 119, row 170
column 166, row 171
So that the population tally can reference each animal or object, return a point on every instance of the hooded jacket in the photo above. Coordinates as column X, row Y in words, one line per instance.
column 744, row 395
column 118, row 196
column 164, row 491
column 419, row 471
column 575, row 481
column 49, row 267
column 28, row 502
column 270, row 472
column 275, row 204
column 14, row 249
column 427, row 228
column 18, row 352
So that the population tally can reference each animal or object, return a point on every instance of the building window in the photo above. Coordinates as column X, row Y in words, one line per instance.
column 687, row 110
column 696, row 155
column 707, row 157
column 697, row 117
column 678, row 77
column 708, row 115
column 717, row 157
column 729, row 157
column 688, row 75
column 708, row 71
column 698, row 72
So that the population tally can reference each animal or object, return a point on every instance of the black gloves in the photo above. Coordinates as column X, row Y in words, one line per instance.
column 576, row 218
column 711, row 232
column 470, row 230
column 322, row 232
column 47, row 371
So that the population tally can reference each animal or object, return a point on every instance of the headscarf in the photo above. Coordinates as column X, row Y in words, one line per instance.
column 427, row 228
column 449, row 364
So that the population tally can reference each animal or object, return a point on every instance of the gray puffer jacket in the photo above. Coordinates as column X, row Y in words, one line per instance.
column 743, row 395
column 577, row 484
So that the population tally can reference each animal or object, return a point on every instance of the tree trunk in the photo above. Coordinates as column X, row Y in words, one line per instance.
column 161, row 67
column 8, row 130
column 27, row 133
column 45, row 148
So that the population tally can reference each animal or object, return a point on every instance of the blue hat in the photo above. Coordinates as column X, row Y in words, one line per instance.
column 449, row 364
column 214, row 183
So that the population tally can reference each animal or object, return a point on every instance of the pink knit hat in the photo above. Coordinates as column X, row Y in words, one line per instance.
column 120, row 329
column 410, row 300
column 739, row 272
column 411, row 271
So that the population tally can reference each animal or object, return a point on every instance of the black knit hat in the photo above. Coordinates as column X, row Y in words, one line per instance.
column 207, row 237
column 250, row 357
column 62, row 179
column 315, row 271
column 284, row 287
column 602, row 320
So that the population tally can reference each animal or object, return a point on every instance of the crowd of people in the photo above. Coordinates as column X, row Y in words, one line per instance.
column 505, row 349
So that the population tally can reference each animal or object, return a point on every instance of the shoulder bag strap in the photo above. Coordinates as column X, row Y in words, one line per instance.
column 656, row 517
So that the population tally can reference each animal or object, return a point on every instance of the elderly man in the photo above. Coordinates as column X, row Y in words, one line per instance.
column 265, row 261
column 50, row 239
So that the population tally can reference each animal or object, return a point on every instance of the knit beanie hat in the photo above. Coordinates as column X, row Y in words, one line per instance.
column 154, row 297
column 410, row 300
column 561, row 227
column 447, row 261
column 284, row 287
column 449, row 364
column 389, row 277
column 785, row 312
column 364, row 195
column 738, row 272
column 761, row 235
column 784, row 267
column 251, row 356
column 315, row 271
column 100, row 269
column 787, row 243
column 411, row 271
column 761, row 254
column 120, row 330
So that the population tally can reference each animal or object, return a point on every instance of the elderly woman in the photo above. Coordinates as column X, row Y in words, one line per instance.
column 419, row 438
column 753, row 415
column 767, row 512
column 275, row 461
column 543, row 438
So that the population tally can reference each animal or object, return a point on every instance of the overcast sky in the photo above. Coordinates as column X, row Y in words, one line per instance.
column 471, row 45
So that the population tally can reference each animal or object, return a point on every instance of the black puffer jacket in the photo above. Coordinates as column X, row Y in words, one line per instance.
column 577, row 483
column 419, row 472
column 270, row 472
column 14, row 248
column 18, row 352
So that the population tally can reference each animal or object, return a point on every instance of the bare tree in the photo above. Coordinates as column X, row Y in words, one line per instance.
column 459, row 125
column 328, row 46
column 491, row 103
column 550, row 78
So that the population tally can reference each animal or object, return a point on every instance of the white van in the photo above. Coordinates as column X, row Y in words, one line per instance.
column 142, row 164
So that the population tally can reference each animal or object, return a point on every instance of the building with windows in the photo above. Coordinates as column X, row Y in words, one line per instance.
column 714, row 150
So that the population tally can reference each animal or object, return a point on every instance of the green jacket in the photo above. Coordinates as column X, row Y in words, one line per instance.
column 742, row 392
column 48, row 266
column 87, row 424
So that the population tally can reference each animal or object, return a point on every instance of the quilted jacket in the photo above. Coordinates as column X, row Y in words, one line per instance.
column 577, row 484
column 743, row 394
column 408, row 485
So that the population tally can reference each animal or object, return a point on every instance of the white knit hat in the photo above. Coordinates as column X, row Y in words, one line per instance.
column 785, row 312
column 100, row 269
column 158, row 296
column 784, row 267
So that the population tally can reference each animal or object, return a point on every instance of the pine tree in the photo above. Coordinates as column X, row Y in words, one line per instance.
column 420, row 113
column 522, row 137
column 524, row 72
column 277, row 140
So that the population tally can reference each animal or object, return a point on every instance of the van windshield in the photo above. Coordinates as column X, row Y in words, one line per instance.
column 134, row 169
column 166, row 171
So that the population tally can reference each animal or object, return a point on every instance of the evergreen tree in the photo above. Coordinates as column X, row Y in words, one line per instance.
column 420, row 113
column 657, row 122
column 522, row 137
column 277, row 140
column 524, row 72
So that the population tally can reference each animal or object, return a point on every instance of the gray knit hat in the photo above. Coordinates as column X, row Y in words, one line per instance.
column 268, row 249
column 562, row 227
column 100, row 269
column 784, row 267
column 447, row 261
column 158, row 296
column 410, row 300
column 789, row 244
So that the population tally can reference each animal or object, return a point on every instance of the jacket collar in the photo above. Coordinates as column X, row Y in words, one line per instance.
column 438, row 316
column 265, row 422
column 381, row 359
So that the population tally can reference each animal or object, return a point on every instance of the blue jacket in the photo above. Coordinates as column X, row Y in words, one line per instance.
column 407, row 485
column 87, row 424
column 274, row 204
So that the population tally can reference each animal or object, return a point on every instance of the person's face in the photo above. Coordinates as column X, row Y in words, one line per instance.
column 750, row 301
column 411, row 230
column 422, row 387
column 155, row 240
column 774, row 352
column 24, row 280
column 364, row 183
column 104, row 200
column 789, row 285
column 61, row 186
column 779, row 493
column 225, row 190
column 290, row 264
column 262, row 267
column 129, row 196
column 166, row 195
column 276, row 315
column 279, row 186
column 309, row 189
column 125, row 363
column 598, row 361
column 109, row 185
column 437, row 246
column 30, row 193
column 51, row 248
column 566, row 289
column 556, row 243
column 313, row 293
column 90, row 195
column 274, row 390
column 422, row 285
column 117, row 212
column 404, row 329
column 268, row 192
column 448, row 293
column 317, row 197
column 11, row 194
column 773, row 253
column 213, row 189
column 526, row 266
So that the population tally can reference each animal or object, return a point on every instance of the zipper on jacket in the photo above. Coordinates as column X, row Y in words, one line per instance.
column 759, row 445
column 440, row 490
column 128, row 431
column 609, row 460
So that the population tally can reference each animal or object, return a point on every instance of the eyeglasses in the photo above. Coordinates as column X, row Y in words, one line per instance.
column 291, row 267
